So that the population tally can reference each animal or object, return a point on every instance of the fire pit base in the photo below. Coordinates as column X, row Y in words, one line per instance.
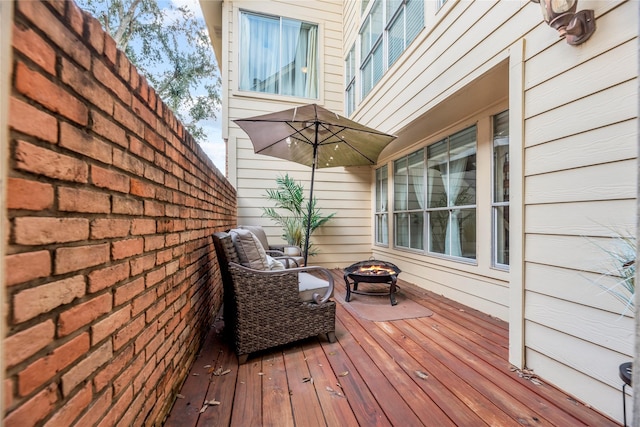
column 371, row 271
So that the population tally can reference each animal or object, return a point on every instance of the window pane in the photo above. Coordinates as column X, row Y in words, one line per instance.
column 438, row 222
column 366, row 78
column 501, row 157
column 260, row 37
column 278, row 56
column 466, row 223
column 392, row 7
column 462, row 168
column 437, row 173
column 378, row 64
column 381, row 189
column 400, row 184
column 501, row 220
column 382, row 229
column 415, row 183
column 415, row 19
column 395, row 39
column 402, row 229
column 416, row 220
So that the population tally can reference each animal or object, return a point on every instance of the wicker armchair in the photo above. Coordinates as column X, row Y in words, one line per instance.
column 263, row 309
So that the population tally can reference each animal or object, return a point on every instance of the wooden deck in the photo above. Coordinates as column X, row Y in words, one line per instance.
column 450, row 369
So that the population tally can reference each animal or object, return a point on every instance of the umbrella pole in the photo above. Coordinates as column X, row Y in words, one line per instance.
column 309, row 213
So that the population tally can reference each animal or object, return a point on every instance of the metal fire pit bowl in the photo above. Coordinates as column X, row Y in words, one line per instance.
column 371, row 271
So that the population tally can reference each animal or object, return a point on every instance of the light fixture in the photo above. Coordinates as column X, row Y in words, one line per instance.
column 561, row 15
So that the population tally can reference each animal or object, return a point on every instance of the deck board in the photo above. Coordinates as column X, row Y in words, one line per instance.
column 448, row 369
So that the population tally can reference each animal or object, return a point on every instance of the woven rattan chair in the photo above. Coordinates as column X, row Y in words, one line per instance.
column 263, row 309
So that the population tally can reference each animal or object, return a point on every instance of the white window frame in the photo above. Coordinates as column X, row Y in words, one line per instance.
column 495, row 205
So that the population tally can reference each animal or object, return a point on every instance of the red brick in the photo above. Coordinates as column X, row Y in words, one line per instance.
column 104, row 377
column 74, row 16
column 128, row 291
column 83, row 314
column 116, row 410
column 126, row 206
column 125, row 334
column 163, row 256
column 172, row 267
column 81, row 142
column 152, row 243
column 145, row 337
column 108, row 326
column 155, row 276
column 28, row 194
column 124, row 380
column 127, row 248
column 39, row 14
column 105, row 76
column 27, row 266
column 141, row 264
column 79, row 200
column 97, row 409
column 33, row 46
column 32, row 302
column 143, row 375
column 87, row 366
column 172, row 211
column 142, row 111
column 42, row 161
column 70, row 411
column 142, row 302
column 104, row 228
column 24, row 344
column 42, row 90
column 32, row 121
column 80, row 81
column 102, row 279
column 129, row 418
column 80, row 257
column 128, row 119
column 143, row 226
column 109, row 179
column 8, row 394
column 126, row 161
column 152, row 208
column 154, row 174
column 108, row 129
column 155, row 310
column 142, row 189
column 110, row 49
column 44, row 230
column 123, row 67
column 172, row 239
column 33, row 410
column 45, row 368
column 141, row 149
column 96, row 33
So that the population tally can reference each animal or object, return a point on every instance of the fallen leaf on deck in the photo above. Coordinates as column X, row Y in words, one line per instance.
column 207, row 366
column 204, row 408
column 180, row 396
column 195, row 374
column 211, row 402
column 219, row 372
column 343, row 374
column 260, row 373
column 422, row 375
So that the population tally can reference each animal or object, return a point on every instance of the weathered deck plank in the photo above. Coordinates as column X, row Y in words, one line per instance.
column 446, row 370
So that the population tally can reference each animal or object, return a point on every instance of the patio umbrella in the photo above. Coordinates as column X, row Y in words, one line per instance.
column 316, row 137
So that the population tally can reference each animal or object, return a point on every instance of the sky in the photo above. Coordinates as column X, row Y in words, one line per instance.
column 214, row 145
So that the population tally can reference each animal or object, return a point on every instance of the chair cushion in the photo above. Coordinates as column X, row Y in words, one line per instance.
column 259, row 232
column 309, row 284
column 251, row 252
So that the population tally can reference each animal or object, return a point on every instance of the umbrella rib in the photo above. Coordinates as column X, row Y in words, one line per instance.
column 344, row 141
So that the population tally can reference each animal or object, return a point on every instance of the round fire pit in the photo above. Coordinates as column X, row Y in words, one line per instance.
column 371, row 271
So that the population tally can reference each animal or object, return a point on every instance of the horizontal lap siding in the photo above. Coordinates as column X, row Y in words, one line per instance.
column 110, row 272
column 580, row 189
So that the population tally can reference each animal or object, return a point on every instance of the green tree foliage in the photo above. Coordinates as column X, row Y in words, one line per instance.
column 291, row 211
column 170, row 46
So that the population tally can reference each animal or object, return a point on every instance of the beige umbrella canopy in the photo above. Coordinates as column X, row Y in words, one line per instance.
column 316, row 137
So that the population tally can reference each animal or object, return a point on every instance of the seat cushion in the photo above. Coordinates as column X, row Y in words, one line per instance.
column 309, row 284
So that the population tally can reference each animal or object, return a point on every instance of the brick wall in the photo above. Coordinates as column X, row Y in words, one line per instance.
column 111, row 277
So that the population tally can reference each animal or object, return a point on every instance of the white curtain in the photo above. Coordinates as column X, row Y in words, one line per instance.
column 311, row 89
column 456, row 173
column 259, row 39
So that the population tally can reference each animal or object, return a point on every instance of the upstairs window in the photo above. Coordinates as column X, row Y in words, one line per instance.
column 371, row 48
column 278, row 56
column 350, row 82
column 405, row 19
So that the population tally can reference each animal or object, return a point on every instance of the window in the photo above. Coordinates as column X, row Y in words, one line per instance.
column 389, row 27
column 409, row 200
column 278, row 56
column 451, row 193
column 382, row 212
column 440, row 3
column 500, row 199
column 350, row 82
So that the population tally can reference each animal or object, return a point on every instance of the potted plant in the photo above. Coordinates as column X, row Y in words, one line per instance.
column 291, row 211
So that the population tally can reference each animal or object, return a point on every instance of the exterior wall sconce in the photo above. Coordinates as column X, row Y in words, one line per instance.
column 561, row 15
